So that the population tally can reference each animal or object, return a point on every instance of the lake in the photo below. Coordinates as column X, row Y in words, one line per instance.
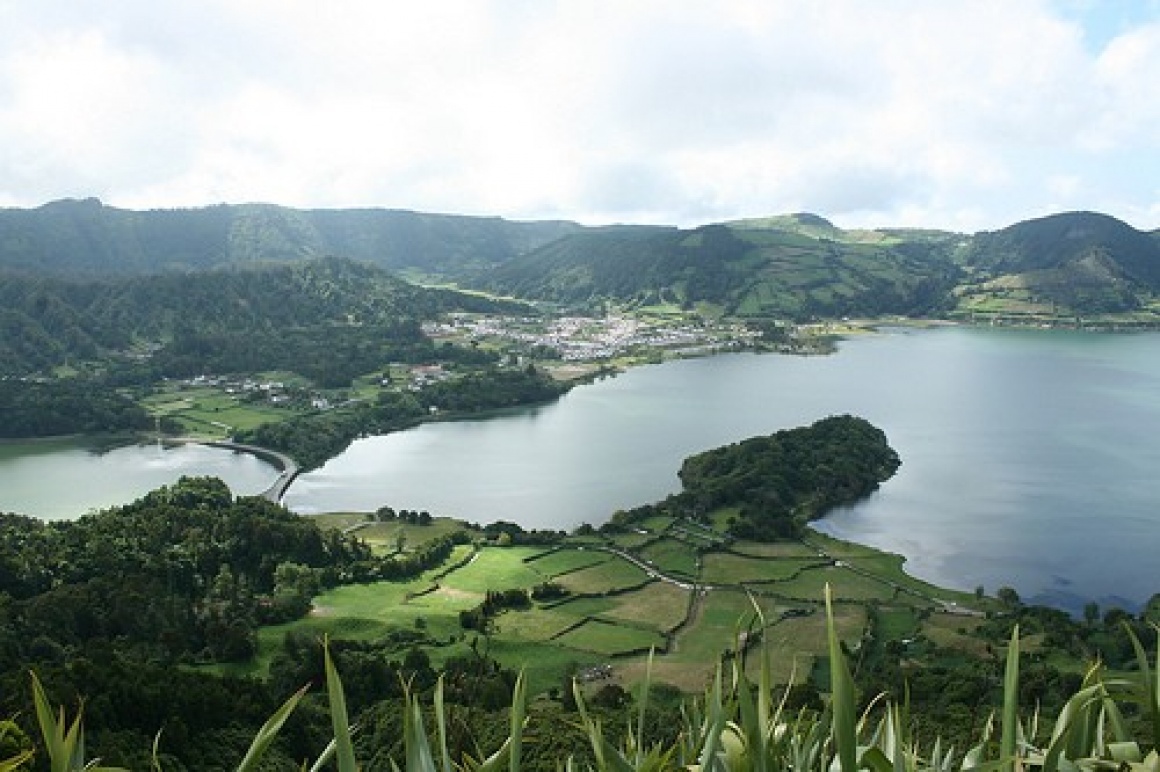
column 64, row 479
column 1029, row 458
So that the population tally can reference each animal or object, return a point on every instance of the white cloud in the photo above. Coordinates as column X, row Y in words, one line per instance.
column 961, row 114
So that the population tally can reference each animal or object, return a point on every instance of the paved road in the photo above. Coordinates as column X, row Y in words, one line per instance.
column 287, row 466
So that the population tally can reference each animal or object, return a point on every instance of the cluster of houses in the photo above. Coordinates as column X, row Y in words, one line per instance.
column 274, row 392
column 579, row 338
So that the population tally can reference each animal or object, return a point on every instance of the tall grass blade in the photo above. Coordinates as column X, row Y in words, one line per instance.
column 15, row 762
column 519, row 713
column 1009, row 731
column 269, row 731
column 415, row 745
column 1151, row 683
column 512, row 748
column 711, row 740
column 323, row 758
column 750, row 725
column 638, row 741
column 845, row 727
column 344, row 748
column 1069, row 716
column 441, row 726
column 64, row 742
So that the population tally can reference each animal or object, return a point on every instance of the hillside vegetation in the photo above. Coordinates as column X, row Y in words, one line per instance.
column 85, row 237
column 751, row 268
column 802, row 267
column 328, row 319
column 1077, row 263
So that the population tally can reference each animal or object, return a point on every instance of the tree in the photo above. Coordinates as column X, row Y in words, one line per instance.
column 1009, row 598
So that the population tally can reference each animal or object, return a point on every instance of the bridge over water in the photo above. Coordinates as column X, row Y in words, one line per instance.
column 287, row 467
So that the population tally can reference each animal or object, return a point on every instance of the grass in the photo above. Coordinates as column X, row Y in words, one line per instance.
column 498, row 568
column 565, row 561
column 616, row 574
column 208, row 409
column 847, row 585
column 535, row 624
column 728, row 568
column 633, row 540
column 658, row 605
column 671, row 556
column 616, row 608
column 713, row 628
column 545, row 665
column 895, row 624
column 608, row 639
column 384, row 537
column 954, row 632
column 781, row 549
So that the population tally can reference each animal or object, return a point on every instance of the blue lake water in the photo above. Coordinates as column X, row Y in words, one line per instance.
column 1030, row 458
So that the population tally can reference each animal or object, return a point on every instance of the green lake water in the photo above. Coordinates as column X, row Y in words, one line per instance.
column 64, row 479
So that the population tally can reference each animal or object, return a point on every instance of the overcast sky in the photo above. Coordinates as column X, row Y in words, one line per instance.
column 961, row 115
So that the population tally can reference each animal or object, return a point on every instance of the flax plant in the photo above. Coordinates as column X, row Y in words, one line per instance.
column 738, row 726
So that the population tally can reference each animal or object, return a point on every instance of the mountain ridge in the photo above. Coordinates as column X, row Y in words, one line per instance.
column 798, row 266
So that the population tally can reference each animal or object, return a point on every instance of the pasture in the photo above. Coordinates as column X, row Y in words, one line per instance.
column 616, row 610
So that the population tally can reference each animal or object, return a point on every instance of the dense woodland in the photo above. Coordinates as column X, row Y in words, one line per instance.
column 329, row 319
column 87, row 238
column 780, row 482
column 783, row 481
column 71, row 406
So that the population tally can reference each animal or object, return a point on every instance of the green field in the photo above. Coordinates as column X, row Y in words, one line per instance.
column 608, row 639
column 615, row 608
column 616, row 574
column 499, row 568
column 554, row 564
column 207, row 410
column 845, row 584
column 658, row 605
column 729, row 568
column 671, row 556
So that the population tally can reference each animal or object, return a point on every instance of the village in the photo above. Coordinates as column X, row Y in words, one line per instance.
column 587, row 339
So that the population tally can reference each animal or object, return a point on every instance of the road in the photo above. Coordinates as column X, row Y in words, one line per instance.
column 287, row 466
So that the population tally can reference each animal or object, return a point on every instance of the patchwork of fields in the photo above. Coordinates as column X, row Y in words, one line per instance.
column 680, row 589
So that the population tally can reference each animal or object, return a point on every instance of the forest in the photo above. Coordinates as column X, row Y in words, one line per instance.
column 328, row 318
column 72, row 406
column 781, row 482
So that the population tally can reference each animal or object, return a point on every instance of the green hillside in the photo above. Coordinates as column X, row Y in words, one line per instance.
column 797, row 266
column 768, row 267
column 328, row 316
column 88, row 238
column 1077, row 263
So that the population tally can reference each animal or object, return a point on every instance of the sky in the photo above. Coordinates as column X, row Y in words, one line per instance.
column 963, row 115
